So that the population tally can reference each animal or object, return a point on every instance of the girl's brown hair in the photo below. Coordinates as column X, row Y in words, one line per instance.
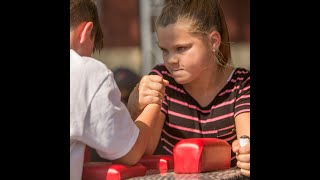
column 86, row 11
column 203, row 16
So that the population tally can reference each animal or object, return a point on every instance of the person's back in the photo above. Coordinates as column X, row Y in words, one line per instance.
column 77, row 67
column 126, row 80
column 90, row 84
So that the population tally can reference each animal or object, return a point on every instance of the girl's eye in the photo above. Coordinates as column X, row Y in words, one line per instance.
column 181, row 49
column 164, row 51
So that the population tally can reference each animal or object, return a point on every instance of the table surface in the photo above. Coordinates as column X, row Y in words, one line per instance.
column 228, row 174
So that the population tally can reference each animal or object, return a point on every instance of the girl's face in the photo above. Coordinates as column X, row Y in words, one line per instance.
column 185, row 55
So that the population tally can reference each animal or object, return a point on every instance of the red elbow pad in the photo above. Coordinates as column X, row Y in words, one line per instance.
column 95, row 170
column 196, row 155
column 118, row 171
column 159, row 162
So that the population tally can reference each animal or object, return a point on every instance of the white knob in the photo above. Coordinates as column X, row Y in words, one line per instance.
column 244, row 140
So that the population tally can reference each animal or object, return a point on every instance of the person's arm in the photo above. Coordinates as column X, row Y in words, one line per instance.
column 150, row 90
column 242, row 122
column 133, row 103
column 107, row 125
column 156, row 133
column 145, row 122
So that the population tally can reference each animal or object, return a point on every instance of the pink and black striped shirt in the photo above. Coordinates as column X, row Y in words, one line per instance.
column 185, row 118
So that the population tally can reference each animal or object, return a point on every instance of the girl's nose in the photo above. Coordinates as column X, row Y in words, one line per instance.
column 172, row 59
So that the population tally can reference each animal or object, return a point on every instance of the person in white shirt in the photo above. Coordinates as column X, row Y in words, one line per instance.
column 98, row 118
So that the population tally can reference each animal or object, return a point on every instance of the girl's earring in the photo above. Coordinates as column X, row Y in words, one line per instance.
column 214, row 48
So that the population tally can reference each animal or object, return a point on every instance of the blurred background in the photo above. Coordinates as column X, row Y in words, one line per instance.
column 129, row 38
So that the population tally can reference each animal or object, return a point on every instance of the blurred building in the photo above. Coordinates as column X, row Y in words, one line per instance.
column 122, row 24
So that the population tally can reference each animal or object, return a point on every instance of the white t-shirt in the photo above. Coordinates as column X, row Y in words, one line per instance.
column 97, row 116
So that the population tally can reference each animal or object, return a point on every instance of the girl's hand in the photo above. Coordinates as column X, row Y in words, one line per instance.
column 243, row 157
column 150, row 90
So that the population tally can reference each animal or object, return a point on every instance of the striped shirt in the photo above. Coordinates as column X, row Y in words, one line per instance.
column 185, row 118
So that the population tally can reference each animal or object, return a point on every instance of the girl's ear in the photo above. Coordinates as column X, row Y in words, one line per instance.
column 214, row 40
column 85, row 31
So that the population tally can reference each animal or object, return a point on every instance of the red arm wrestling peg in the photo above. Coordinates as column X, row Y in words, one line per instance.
column 106, row 170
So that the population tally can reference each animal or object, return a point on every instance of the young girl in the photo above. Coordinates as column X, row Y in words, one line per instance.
column 206, row 96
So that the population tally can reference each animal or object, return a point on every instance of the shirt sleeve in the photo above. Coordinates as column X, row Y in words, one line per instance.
column 108, row 125
column 242, row 103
